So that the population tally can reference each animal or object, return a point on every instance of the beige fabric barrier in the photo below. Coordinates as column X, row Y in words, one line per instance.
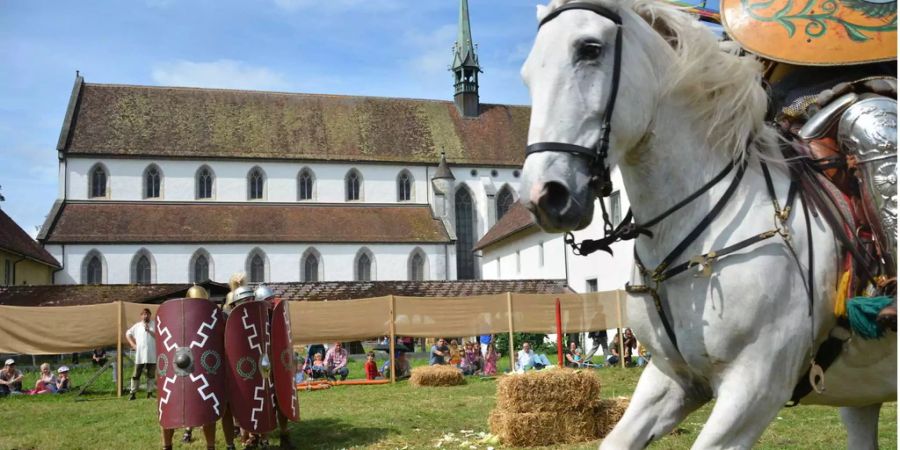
column 342, row 320
column 66, row 329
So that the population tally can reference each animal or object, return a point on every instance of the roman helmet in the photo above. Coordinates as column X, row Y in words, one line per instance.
column 264, row 293
column 197, row 292
column 242, row 294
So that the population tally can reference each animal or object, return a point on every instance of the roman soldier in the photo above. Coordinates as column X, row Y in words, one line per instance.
column 831, row 69
column 190, row 356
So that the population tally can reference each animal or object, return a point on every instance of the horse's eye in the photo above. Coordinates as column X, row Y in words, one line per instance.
column 589, row 51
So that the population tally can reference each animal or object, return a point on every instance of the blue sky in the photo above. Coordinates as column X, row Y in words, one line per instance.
column 387, row 48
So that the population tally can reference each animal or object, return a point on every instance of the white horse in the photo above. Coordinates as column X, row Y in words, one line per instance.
column 685, row 110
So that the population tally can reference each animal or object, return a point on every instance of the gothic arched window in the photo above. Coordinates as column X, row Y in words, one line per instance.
column 98, row 182
column 364, row 267
column 93, row 268
column 152, row 182
column 256, row 183
column 143, row 270
column 417, row 266
column 311, row 267
column 256, row 267
column 201, row 269
column 465, row 235
column 505, row 200
column 353, row 184
column 404, row 187
column 305, row 184
column 204, row 183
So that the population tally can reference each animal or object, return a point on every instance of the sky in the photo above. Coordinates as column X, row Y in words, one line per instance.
column 391, row 48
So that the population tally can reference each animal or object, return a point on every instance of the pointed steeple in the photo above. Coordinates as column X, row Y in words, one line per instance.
column 465, row 66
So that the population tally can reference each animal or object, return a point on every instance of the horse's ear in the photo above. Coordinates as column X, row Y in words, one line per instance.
column 657, row 20
column 542, row 11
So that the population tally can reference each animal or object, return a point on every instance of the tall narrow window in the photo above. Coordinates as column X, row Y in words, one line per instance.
column 465, row 236
column 540, row 254
column 7, row 272
column 257, row 269
column 142, row 270
column 505, row 201
column 255, row 184
column 94, row 271
column 201, row 269
column 404, row 187
column 311, row 268
column 363, row 267
column 518, row 262
column 152, row 181
column 204, row 183
column 305, row 185
column 353, row 183
column 615, row 208
column 98, row 182
column 417, row 266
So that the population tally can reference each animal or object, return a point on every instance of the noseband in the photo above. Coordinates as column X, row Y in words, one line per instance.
column 600, row 178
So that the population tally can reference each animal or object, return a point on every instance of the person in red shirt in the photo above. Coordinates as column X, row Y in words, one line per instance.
column 371, row 366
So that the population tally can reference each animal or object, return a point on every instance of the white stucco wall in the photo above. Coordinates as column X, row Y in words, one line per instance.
column 283, row 261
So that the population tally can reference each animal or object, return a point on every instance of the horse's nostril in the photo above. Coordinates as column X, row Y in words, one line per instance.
column 554, row 197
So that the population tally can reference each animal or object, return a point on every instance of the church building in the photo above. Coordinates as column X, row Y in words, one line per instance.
column 177, row 185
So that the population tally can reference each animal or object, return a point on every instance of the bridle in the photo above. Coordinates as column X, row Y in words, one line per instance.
column 600, row 178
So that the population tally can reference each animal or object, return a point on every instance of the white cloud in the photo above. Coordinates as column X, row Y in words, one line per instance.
column 434, row 50
column 224, row 73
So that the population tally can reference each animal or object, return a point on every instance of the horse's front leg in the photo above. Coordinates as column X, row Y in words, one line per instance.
column 660, row 402
column 862, row 426
column 747, row 400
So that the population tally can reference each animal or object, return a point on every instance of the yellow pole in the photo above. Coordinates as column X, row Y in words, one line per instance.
column 119, row 349
column 512, row 350
column 393, row 343
column 619, row 329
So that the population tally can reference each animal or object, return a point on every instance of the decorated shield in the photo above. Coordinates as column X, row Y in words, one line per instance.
column 190, row 376
column 248, row 352
column 284, row 367
column 814, row 32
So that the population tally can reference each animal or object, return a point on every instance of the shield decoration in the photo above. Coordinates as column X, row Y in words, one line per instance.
column 284, row 367
column 247, row 350
column 190, row 380
column 814, row 32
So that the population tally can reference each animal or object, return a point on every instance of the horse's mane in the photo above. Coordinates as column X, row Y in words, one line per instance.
column 724, row 87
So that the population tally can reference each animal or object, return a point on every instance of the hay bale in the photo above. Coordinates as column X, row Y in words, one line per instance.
column 436, row 376
column 543, row 428
column 607, row 414
column 549, row 390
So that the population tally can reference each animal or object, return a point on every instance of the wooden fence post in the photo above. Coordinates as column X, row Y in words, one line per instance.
column 619, row 329
column 119, row 333
column 512, row 350
column 393, row 343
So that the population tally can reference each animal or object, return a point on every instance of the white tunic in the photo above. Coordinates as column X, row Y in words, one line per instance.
column 145, row 353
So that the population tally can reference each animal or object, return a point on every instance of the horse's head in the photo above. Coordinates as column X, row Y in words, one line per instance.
column 570, row 73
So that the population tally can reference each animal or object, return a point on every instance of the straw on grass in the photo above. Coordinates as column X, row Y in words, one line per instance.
column 549, row 390
column 439, row 375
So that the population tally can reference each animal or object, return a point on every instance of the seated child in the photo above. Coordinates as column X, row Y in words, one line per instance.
column 490, row 360
column 62, row 381
column 455, row 356
column 46, row 381
column 371, row 367
column 317, row 370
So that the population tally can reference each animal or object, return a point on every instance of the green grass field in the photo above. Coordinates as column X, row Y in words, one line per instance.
column 371, row 417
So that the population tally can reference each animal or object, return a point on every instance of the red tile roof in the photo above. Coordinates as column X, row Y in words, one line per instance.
column 14, row 239
column 217, row 123
column 344, row 290
column 516, row 220
column 83, row 294
column 145, row 222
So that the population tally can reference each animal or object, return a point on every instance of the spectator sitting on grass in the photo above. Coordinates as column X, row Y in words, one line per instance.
column 98, row 357
column 371, row 367
column 455, row 354
column 528, row 359
column 490, row 360
column 336, row 362
column 62, row 380
column 573, row 356
column 472, row 361
column 317, row 367
column 46, row 381
column 439, row 353
column 402, row 366
column 10, row 379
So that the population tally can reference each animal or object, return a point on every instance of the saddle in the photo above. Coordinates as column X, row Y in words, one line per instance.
column 838, row 178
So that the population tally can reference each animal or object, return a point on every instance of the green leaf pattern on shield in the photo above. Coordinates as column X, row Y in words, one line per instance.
column 816, row 15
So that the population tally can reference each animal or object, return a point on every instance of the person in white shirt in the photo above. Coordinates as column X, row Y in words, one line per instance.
column 142, row 337
column 527, row 359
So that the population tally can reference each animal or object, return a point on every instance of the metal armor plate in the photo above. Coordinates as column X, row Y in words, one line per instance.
column 868, row 131
column 190, row 376
column 284, row 367
column 814, row 32
column 247, row 349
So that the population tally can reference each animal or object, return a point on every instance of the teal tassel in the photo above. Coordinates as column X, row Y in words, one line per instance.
column 862, row 312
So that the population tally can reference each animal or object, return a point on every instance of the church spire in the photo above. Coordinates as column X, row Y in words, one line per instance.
column 465, row 66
